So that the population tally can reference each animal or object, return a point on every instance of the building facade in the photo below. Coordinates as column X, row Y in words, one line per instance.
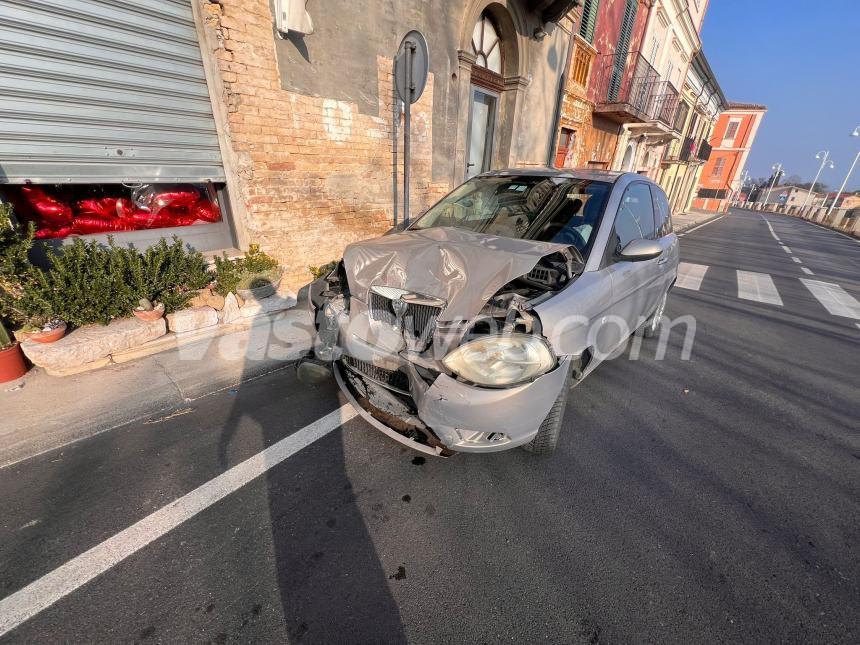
column 272, row 122
column 670, row 41
column 700, row 104
column 732, row 139
column 598, row 83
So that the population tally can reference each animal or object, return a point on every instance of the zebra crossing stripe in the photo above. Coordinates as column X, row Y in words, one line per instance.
column 834, row 298
column 806, row 271
column 690, row 276
column 796, row 259
column 758, row 287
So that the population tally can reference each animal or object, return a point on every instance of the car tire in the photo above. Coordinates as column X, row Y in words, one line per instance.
column 546, row 439
column 652, row 325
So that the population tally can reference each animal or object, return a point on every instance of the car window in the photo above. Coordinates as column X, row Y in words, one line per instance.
column 564, row 210
column 662, row 213
column 635, row 218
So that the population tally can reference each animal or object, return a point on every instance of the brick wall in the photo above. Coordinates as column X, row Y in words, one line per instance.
column 314, row 173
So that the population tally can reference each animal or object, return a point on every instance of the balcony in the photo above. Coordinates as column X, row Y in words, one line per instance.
column 688, row 149
column 629, row 90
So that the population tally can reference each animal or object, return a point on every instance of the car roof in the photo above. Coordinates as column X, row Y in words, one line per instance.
column 574, row 173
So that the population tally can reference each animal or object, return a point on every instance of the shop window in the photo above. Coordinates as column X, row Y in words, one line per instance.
column 61, row 211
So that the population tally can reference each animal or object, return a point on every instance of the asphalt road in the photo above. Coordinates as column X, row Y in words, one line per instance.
column 710, row 500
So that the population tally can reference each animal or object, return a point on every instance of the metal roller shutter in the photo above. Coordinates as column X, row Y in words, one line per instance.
column 96, row 91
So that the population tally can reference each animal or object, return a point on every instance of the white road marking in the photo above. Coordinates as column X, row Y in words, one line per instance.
column 44, row 592
column 796, row 259
column 690, row 276
column 786, row 249
column 834, row 298
column 696, row 228
column 806, row 271
column 758, row 287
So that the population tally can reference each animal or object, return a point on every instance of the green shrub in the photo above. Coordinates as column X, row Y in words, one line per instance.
column 88, row 282
column 251, row 270
column 168, row 273
column 91, row 283
column 18, row 306
column 322, row 271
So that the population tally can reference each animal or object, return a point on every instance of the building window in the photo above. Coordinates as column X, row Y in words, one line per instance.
column 581, row 66
column 486, row 45
column 719, row 164
column 588, row 20
column 681, row 116
column 731, row 131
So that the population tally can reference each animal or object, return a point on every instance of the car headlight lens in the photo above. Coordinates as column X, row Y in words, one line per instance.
column 501, row 360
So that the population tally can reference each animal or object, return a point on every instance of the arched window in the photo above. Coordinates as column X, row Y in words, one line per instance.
column 486, row 45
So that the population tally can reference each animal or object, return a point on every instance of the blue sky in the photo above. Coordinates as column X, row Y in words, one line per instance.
column 802, row 60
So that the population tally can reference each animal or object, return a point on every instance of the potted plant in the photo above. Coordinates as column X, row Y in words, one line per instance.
column 52, row 330
column 12, row 364
column 252, row 277
column 148, row 311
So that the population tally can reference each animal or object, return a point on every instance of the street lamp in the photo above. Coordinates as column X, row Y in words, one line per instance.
column 856, row 133
column 777, row 171
column 824, row 155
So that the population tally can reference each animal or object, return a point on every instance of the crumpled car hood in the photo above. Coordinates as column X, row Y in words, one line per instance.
column 464, row 268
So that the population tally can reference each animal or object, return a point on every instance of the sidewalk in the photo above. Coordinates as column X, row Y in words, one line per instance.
column 694, row 217
column 42, row 412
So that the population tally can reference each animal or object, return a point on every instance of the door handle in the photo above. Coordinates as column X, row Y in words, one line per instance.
column 662, row 260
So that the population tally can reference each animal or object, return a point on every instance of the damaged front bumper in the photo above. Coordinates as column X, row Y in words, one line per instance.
column 425, row 409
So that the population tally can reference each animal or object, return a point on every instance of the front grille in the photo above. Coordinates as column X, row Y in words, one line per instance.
column 418, row 321
column 393, row 379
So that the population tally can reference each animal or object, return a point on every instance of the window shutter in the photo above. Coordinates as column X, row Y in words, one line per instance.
column 588, row 20
column 622, row 49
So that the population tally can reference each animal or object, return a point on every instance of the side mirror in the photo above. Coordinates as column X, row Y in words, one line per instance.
column 640, row 250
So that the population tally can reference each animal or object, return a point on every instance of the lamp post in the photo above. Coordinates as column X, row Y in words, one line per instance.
column 777, row 171
column 856, row 133
column 824, row 155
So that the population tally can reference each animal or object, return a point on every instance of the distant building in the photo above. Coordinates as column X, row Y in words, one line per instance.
column 790, row 196
column 732, row 139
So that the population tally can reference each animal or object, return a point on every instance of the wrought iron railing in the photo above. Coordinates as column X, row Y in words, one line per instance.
column 628, row 80
column 688, row 149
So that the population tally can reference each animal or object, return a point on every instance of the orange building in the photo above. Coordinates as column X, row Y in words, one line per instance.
column 731, row 141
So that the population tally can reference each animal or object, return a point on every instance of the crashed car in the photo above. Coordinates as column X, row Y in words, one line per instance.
column 466, row 330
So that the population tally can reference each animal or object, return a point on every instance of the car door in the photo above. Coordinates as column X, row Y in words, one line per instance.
column 668, row 261
column 635, row 285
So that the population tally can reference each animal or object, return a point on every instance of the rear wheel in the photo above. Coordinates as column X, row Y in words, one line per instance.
column 652, row 325
column 546, row 439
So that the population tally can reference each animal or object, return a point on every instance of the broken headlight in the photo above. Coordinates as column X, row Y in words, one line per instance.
column 501, row 360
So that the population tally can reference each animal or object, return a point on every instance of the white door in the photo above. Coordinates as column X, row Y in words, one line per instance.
column 482, row 123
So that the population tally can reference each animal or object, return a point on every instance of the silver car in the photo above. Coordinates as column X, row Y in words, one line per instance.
column 466, row 330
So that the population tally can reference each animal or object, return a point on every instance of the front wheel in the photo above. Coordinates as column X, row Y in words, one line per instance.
column 546, row 439
column 652, row 325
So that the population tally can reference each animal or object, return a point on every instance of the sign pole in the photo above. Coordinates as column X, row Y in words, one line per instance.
column 407, row 127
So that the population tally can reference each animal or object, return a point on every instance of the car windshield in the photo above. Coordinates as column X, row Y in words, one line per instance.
column 548, row 209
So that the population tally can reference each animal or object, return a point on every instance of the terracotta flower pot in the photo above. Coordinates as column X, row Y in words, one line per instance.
column 50, row 336
column 12, row 364
column 150, row 314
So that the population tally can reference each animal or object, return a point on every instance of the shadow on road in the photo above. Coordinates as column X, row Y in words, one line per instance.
column 332, row 585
